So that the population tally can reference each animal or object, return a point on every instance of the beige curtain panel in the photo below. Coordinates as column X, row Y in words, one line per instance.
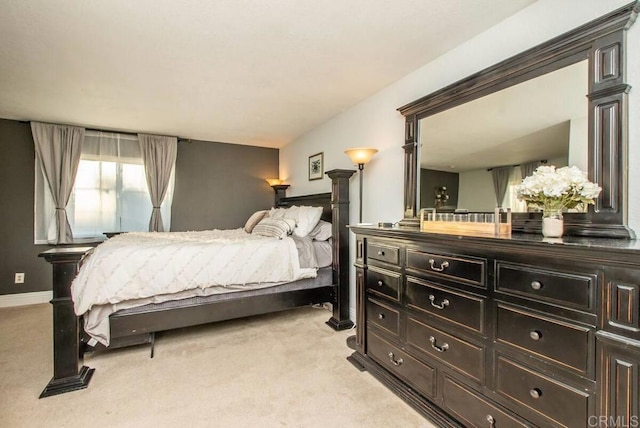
column 159, row 156
column 58, row 151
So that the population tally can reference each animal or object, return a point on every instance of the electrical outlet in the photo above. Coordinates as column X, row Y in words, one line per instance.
column 19, row 278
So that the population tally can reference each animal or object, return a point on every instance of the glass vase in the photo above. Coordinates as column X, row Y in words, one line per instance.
column 552, row 223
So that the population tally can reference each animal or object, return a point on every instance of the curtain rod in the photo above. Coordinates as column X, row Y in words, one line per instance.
column 543, row 162
column 136, row 133
column 188, row 140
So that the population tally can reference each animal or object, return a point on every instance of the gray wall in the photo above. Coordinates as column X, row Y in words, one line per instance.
column 19, row 254
column 217, row 186
column 430, row 179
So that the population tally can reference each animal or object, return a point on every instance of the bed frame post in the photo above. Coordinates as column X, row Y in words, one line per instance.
column 340, row 219
column 281, row 192
column 69, row 374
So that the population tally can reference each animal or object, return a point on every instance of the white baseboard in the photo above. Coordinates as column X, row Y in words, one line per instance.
column 23, row 299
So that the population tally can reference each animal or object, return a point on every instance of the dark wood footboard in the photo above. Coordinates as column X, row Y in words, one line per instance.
column 340, row 219
column 70, row 374
column 335, row 210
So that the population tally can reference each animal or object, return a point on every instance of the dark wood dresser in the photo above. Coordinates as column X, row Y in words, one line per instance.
column 492, row 332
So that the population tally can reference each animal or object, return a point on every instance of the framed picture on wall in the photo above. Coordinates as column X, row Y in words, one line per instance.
column 316, row 166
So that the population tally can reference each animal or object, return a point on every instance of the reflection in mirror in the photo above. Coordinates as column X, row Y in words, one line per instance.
column 467, row 153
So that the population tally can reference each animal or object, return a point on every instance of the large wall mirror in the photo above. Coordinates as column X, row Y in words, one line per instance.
column 561, row 103
column 515, row 129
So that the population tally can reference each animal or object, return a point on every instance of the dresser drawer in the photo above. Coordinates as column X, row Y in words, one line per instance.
column 458, row 353
column 474, row 411
column 413, row 372
column 560, row 403
column 559, row 342
column 558, row 287
column 383, row 252
column 383, row 316
column 468, row 270
column 384, row 283
column 460, row 308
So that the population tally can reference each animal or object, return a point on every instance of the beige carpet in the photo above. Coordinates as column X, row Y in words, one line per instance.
column 279, row 370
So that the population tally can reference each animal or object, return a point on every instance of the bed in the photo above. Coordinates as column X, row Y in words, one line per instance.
column 139, row 324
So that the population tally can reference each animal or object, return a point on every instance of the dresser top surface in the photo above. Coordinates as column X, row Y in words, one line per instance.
column 631, row 246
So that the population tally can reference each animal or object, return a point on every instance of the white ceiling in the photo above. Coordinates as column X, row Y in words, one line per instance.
column 253, row 72
column 526, row 122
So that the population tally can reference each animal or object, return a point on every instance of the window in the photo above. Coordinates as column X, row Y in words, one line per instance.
column 109, row 195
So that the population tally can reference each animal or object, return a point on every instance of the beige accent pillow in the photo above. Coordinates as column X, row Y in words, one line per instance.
column 253, row 220
column 274, row 227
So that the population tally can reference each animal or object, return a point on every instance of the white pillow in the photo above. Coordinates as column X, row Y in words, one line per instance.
column 274, row 227
column 322, row 231
column 277, row 212
column 253, row 220
column 306, row 218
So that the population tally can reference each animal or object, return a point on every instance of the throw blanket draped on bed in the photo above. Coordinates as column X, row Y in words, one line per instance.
column 135, row 266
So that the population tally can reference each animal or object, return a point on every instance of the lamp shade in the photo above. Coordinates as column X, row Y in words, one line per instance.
column 361, row 155
column 273, row 181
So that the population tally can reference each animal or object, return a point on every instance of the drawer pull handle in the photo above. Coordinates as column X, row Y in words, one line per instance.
column 491, row 420
column 535, row 393
column 395, row 362
column 442, row 348
column 535, row 335
column 380, row 316
column 536, row 285
column 442, row 305
column 380, row 283
column 381, row 253
column 442, row 267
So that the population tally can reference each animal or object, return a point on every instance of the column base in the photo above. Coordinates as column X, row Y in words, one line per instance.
column 338, row 325
column 68, row 384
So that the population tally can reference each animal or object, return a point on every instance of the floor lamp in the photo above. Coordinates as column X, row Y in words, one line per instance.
column 361, row 156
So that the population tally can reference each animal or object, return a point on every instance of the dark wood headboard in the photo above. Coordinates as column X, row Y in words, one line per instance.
column 317, row 200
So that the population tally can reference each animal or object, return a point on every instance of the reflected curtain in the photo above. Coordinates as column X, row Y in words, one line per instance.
column 159, row 156
column 58, row 149
column 528, row 168
column 500, row 177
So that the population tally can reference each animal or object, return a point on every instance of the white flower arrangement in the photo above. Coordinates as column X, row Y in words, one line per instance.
column 556, row 189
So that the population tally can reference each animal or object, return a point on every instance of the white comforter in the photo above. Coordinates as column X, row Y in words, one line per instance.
column 137, row 266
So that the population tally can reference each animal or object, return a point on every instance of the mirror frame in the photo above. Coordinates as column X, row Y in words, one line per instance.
column 603, row 43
